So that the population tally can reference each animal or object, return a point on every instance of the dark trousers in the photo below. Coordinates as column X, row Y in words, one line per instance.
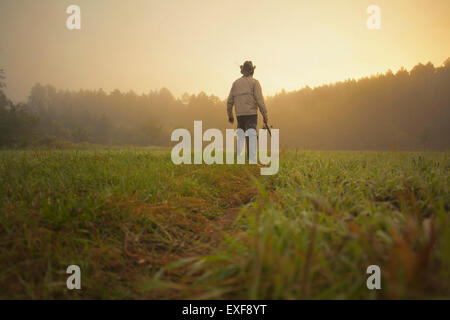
column 245, row 123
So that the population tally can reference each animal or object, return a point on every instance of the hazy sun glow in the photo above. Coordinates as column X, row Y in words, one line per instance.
column 198, row 45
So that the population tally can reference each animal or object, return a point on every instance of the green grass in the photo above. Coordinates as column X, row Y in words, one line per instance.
column 140, row 227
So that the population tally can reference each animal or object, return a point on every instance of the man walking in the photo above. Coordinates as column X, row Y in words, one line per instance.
column 246, row 95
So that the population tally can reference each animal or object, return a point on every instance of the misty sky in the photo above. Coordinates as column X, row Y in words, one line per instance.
column 198, row 45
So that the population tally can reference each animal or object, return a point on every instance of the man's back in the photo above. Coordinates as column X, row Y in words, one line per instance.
column 246, row 95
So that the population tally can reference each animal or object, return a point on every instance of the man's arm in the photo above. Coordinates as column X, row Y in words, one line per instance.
column 260, row 100
column 230, row 104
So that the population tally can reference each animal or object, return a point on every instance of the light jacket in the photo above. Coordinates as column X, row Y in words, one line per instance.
column 246, row 95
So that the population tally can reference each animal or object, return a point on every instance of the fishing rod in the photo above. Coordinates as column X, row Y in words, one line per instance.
column 267, row 127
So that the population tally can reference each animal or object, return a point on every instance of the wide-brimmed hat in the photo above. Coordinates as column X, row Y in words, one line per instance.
column 247, row 67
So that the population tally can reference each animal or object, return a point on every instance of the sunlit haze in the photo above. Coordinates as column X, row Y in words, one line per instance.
column 193, row 46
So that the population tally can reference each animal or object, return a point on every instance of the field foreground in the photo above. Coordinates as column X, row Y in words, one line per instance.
column 140, row 227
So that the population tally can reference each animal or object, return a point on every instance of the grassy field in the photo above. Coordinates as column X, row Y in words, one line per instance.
column 142, row 228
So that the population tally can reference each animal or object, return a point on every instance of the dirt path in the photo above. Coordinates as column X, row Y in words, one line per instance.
column 191, row 231
column 204, row 243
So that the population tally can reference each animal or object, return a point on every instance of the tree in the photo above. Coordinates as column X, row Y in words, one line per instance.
column 447, row 62
column 3, row 99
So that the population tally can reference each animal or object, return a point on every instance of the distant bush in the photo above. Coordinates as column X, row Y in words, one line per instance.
column 52, row 142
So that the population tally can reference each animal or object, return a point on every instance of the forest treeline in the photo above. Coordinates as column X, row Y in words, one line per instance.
column 408, row 110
